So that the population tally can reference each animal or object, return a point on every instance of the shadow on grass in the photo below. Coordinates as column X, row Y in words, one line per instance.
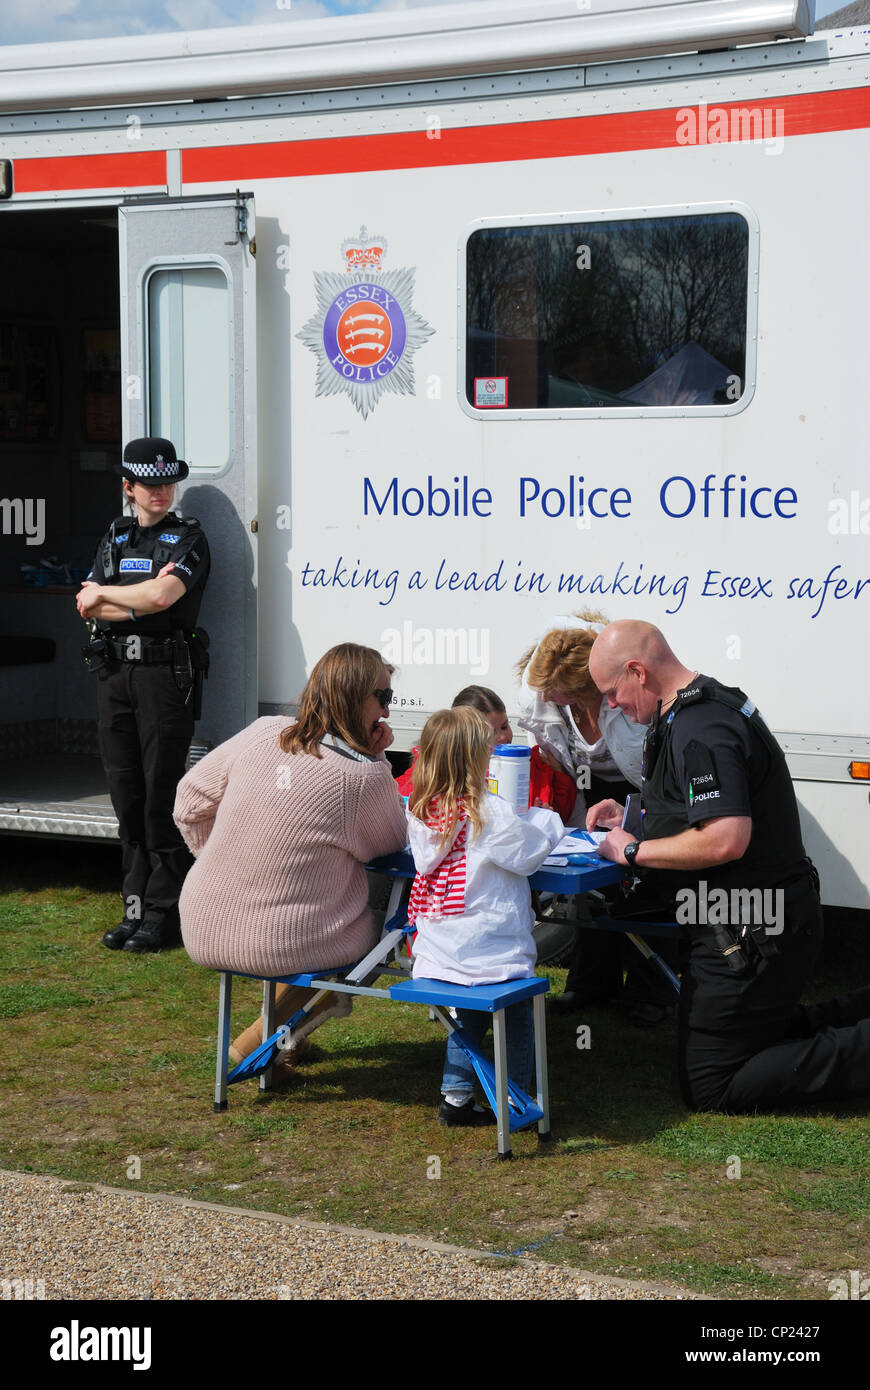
column 408, row 1073
column 120, row 1059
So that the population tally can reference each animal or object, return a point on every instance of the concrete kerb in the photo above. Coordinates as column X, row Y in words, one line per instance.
column 488, row 1257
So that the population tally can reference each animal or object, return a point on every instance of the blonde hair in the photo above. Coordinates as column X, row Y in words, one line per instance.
column 332, row 701
column 450, row 772
column 561, row 661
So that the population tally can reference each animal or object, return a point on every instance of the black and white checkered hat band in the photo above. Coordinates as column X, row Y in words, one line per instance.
column 157, row 472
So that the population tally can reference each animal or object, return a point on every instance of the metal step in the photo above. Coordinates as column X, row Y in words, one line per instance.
column 56, row 794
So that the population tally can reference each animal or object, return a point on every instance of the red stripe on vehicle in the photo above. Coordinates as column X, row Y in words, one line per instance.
column 809, row 114
column 142, row 169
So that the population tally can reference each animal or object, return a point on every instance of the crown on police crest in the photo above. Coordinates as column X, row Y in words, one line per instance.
column 363, row 252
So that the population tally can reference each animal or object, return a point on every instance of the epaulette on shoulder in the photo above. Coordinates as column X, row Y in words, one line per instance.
column 120, row 522
column 191, row 522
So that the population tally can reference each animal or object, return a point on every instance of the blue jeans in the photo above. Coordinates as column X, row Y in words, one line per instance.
column 459, row 1074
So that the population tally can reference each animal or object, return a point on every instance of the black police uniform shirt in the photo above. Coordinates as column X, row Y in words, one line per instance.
column 140, row 552
column 716, row 763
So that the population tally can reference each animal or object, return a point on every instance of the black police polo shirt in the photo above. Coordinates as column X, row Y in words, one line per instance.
column 718, row 765
column 136, row 561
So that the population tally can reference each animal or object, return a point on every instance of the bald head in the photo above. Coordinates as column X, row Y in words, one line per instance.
column 630, row 640
column 634, row 667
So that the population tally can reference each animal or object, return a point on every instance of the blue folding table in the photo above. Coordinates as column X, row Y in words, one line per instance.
column 514, row 1109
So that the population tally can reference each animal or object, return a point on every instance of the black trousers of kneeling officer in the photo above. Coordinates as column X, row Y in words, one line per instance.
column 145, row 728
column 745, row 1042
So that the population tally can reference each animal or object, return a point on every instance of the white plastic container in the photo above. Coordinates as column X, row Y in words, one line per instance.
column 509, row 770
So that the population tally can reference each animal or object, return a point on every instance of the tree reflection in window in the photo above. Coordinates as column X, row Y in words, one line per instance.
column 652, row 315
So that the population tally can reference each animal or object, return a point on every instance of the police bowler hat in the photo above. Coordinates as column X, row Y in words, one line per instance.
column 152, row 461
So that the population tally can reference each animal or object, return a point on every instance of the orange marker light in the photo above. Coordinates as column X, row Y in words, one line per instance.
column 860, row 771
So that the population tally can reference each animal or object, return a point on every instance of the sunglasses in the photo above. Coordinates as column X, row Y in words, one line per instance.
column 653, row 742
column 384, row 697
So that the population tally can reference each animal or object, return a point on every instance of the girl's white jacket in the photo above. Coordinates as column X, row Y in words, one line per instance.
column 492, row 939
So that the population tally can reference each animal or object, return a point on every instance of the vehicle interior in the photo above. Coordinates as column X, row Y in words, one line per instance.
column 60, row 434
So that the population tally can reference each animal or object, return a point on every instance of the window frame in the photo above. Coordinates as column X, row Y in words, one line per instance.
column 186, row 261
column 614, row 215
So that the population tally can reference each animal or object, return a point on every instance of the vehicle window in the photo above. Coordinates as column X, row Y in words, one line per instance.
column 644, row 312
column 189, row 363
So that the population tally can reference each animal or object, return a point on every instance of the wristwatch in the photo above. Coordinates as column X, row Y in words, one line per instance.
column 630, row 853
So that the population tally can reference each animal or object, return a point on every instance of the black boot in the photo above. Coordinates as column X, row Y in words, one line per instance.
column 116, row 938
column 843, row 1011
column 159, row 935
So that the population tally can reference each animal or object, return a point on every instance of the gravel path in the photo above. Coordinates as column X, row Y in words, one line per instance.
column 86, row 1241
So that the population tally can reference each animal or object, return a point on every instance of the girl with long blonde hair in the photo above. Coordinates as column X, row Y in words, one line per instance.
column 470, row 901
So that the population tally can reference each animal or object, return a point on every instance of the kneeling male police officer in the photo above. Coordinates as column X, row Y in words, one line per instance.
column 141, row 600
column 721, row 817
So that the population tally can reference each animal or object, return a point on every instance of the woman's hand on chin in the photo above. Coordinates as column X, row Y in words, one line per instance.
column 381, row 737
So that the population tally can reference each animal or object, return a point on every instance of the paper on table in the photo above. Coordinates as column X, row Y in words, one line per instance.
column 586, row 842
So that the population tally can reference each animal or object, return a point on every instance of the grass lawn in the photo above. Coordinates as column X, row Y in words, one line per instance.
column 110, row 1057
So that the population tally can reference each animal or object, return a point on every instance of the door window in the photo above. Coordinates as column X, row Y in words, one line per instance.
column 190, row 363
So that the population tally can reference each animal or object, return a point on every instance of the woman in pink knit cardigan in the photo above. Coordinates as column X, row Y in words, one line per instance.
column 282, row 819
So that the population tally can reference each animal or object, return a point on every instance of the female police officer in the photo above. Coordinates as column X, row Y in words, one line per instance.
column 142, row 598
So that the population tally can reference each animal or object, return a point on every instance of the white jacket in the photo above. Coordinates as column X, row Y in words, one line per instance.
column 491, row 940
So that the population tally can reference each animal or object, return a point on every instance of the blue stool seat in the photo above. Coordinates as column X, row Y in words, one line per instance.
column 486, row 998
column 514, row 1109
column 301, row 977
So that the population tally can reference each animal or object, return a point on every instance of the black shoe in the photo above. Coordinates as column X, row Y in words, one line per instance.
column 841, row 1012
column 461, row 1115
column 154, row 936
column 115, row 938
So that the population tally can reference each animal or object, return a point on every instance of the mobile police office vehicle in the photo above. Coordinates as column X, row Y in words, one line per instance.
column 463, row 319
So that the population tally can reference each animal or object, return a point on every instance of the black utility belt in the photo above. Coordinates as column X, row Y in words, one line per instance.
column 804, row 875
column 141, row 652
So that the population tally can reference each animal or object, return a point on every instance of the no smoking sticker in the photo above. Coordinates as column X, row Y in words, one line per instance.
column 490, row 392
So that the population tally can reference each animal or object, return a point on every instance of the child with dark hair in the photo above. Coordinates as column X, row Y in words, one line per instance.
column 547, row 787
column 487, row 703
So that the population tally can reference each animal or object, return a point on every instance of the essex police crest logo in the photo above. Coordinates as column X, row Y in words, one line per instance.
column 365, row 331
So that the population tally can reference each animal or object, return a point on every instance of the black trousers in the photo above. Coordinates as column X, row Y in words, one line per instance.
column 745, row 1042
column 145, row 728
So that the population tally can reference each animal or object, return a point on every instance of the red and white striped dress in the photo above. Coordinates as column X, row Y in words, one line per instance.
column 442, row 892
